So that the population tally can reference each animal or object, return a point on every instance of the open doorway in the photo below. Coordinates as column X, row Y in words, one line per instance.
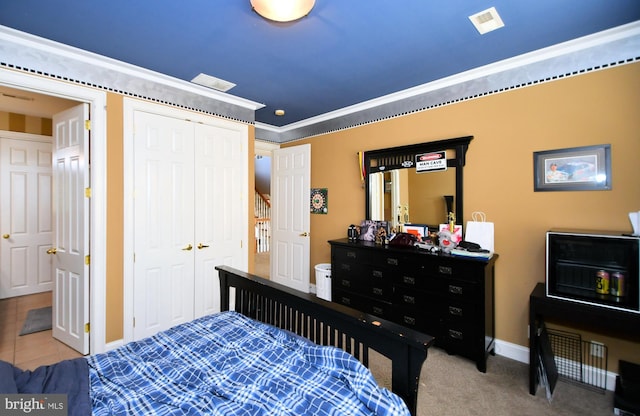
column 262, row 215
column 54, row 89
column 29, row 171
column 26, row 174
column 263, row 206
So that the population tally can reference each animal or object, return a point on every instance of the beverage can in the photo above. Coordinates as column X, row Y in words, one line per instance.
column 602, row 282
column 617, row 284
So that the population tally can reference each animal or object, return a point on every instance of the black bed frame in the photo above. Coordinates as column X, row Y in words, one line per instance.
column 328, row 323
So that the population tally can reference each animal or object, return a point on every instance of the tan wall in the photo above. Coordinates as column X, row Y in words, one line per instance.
column 115, row 218
column 594, row 108
column 25, row 124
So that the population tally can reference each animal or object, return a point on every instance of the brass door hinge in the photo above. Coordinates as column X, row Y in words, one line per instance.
column 87, row 192
column 87, row 259
column 87, row 327
column 87, row 125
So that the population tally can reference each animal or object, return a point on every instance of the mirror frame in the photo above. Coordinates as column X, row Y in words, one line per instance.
column 403, row 157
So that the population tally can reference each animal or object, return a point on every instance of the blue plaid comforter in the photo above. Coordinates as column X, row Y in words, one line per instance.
column 227, row 364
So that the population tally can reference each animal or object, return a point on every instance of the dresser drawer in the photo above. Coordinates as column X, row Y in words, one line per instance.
column 461, row 291
column 348, row 255
column 346, row 268
column 349, row 282
column 460, row 338
column 369, row 284
column 461, row 270
column 458, row 313
column 425, row 318
column 415, row 279
column 411, row 298
column 392, row 260
column 362, row 303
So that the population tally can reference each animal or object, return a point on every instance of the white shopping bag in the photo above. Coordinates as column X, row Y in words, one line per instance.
column 480, row 231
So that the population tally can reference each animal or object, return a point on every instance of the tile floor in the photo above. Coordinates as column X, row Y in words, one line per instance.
column 33, row 350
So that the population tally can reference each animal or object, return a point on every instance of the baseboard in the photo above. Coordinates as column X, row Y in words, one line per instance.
column 521, row 354
column 113, row 345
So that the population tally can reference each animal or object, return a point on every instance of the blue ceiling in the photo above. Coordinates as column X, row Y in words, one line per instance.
column 343, row 53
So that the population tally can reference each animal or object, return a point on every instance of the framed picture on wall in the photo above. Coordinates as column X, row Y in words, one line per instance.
column 585, row 168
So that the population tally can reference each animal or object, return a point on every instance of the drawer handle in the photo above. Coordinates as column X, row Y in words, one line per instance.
column 409, row 280
column 345, row 283
column 454, row 310
column 377, row 273
column 393, row 262
column 346, row 267
column 409, row 320
column 455, row 334
column 378, row 310
column 351, row 254
column 445, row 270
column 456, row 290
column 377, row 291
column 345, row 301
column 409, row 299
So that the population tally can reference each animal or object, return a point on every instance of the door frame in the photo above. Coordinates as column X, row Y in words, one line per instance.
column 97, row 101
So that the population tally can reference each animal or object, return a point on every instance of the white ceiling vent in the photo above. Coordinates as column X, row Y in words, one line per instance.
column 213, row 82
column 487, row 20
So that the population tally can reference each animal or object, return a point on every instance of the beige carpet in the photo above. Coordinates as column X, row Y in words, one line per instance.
column 452, row 386
column 261, row 264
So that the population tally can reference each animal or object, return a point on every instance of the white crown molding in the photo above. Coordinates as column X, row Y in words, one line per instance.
column 599, row 49
column 47, row 46
column 628, row 31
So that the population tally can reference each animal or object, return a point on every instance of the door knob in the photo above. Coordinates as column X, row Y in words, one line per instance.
column 52, row 250
column 201, row 246
column 188, row 247
column 5, row 236
column 305, row 234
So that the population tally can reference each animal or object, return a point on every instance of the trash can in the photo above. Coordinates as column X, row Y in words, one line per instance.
column 323, row 281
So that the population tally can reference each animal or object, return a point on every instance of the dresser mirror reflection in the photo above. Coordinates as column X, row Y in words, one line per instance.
column 399, row 192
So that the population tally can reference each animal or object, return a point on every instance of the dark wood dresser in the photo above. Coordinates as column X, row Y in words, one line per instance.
column 448, row 297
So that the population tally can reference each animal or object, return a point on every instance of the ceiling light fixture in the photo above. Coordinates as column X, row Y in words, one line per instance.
column 282, row 10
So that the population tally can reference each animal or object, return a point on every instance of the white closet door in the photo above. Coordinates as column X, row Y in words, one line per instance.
column 220, row 208
column 164, row 223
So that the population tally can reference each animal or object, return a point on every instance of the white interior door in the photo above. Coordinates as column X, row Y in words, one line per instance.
column 26, row 222
column 290, row 216
column 70, row 249
column 221, row 177
column 164, row 223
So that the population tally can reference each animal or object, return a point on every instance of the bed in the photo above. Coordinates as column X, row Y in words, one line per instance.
column 277, row 351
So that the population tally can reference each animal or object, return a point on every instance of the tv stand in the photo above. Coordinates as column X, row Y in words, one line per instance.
column 612, row 322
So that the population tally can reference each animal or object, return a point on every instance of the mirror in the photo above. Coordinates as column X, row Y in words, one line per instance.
column 417, row 184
